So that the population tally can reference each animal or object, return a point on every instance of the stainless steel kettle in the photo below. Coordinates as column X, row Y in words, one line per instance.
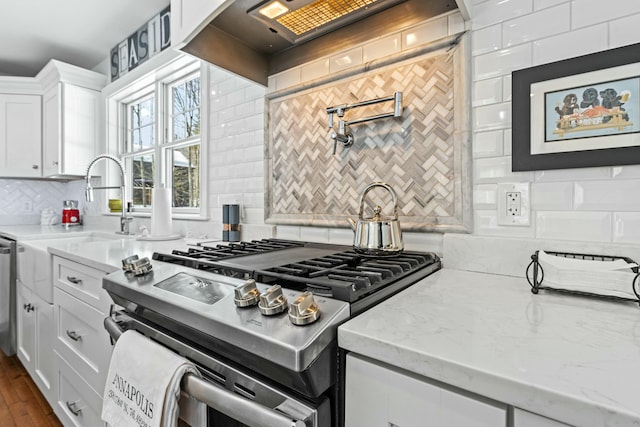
column 377, row 235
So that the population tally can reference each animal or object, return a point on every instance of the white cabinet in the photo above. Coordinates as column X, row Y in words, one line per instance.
column 189, row 17
column 35, row 336
column 523, row 418
column 71, row 131
column 81, row 344
column 20, row 135
column 377, row 396
column 71, row 117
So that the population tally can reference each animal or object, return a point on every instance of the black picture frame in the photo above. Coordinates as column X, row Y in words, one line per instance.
column 522, row 80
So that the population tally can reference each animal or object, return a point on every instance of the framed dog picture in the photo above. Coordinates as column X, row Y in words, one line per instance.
column 580, row 112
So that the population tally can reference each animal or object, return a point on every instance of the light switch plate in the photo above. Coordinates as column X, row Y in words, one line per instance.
column 514, row 204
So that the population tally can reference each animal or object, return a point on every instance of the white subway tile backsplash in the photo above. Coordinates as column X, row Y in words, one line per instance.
column 344, row 60
column 502, row 62
column 431, row 30
column 487, row 40
column 611, row 195
column 487, row 92
column 507, row 142
column 552, row 196
column 314, row 234
column 424, row 242
column 341, row 236
column 314, row 70
column 586, row 13
column 381, row 47
column 485, row 196
column 497, row 169
column 495, row 11
column 488, row 144
column 495, row 116
column 583, row 226
column 625, row 172
column 506, row 88
column 486, row 223
column 543, row 4
column 527, row 28
column 572, row 174
column 571, row 44
column 288, row 232
column 626, row 227
column 288, row 78
column 624, row 31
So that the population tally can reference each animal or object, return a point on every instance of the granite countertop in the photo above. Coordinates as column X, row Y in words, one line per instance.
column 570, row 358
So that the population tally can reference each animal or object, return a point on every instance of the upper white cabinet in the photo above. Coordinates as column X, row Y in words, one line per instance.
column 71, row 118
column 20, row 135
column 189, row 17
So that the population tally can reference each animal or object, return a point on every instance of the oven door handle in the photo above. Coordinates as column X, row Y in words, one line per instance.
column 232, row 405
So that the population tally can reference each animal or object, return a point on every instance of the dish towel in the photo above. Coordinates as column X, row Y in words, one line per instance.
column 143, row 383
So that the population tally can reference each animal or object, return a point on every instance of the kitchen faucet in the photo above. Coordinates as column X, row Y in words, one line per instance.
column 125, row 219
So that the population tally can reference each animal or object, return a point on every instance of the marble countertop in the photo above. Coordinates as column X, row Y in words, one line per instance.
column 573, row 359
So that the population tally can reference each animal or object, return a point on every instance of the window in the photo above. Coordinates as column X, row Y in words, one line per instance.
column 161, row 140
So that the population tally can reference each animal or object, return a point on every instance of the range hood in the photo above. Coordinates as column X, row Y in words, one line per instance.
column 245, row 40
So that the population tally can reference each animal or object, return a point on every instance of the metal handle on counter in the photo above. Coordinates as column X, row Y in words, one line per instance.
column 73, row 335
column 74, row 280
column 236, row 407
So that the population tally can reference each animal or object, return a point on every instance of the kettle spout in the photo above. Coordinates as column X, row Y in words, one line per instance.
column 352, row 223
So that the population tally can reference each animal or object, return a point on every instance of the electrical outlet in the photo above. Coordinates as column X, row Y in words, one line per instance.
column 27, row 206
column 513, row 204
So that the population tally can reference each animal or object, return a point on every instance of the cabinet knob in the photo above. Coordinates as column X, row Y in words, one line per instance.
column 35, row 167
column 29, row 307
column 73, row 407
column 55, row 163
column 73, row 335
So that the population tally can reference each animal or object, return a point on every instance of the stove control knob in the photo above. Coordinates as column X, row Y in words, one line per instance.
column 272, row 301
column 304, row 310
column 246, row 294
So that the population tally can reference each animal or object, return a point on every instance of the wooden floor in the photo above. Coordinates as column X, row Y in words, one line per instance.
column 21, row 403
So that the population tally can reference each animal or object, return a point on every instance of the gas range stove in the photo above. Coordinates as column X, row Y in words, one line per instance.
column 271, row 307
column 331, row 271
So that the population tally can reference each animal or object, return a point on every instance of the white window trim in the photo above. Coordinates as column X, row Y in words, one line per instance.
column 116, row 124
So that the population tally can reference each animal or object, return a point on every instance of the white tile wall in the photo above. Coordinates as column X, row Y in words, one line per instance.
column 589, row 204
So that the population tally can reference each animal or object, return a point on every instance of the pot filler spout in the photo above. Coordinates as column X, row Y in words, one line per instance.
column 258, row 39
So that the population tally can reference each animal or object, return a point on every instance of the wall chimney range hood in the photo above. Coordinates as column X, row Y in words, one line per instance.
column 256, row 39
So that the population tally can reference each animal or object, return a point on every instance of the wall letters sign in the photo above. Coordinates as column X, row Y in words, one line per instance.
column 152, row 38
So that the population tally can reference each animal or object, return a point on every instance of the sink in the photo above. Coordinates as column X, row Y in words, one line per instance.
column 35, row 263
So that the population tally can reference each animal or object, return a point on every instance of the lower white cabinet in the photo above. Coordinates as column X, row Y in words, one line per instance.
column 35, row 337
column 377, row 396
column 77, row 404
column 81, row 344
column 523, row 418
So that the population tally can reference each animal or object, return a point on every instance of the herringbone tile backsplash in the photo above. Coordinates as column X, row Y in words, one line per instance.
column 421, row 155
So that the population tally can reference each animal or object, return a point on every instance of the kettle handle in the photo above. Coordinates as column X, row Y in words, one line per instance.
column 384, row 185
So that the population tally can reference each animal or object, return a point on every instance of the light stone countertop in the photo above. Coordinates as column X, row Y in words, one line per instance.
column 570, row 358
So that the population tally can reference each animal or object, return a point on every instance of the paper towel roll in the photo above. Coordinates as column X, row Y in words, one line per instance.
column 161, row 212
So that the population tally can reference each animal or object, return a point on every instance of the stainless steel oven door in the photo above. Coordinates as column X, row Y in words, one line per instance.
column 233, row 397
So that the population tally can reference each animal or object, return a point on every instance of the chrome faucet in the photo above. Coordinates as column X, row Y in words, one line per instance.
column 126, row 218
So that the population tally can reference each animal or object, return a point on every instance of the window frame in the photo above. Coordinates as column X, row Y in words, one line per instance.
column 158, row 82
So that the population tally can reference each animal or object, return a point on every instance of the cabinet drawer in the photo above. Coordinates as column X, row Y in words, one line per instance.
column 81, row 281
column 77, row 405
column 81, row 338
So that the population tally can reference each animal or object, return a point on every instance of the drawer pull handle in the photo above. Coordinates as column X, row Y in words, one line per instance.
column 73, row 408
column 74, row 280
column 73, row 335
column 29, row 307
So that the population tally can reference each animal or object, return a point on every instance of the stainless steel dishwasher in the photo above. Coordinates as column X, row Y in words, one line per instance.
column 8, row 262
